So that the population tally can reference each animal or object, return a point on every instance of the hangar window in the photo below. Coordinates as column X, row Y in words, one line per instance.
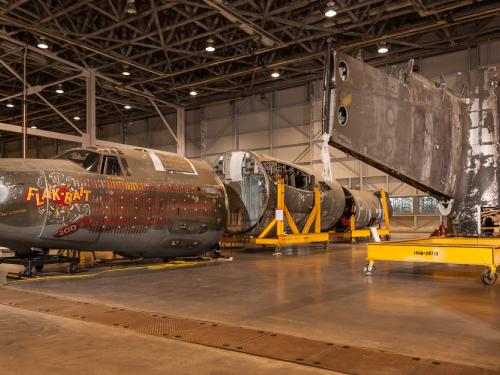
column 427, row 205
column 112, row 166
column 88, row 160
column 125, row 166
column 402, row 205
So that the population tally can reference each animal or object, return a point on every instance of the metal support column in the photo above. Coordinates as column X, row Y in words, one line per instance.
column 236, row 130
column 124, row 132
column 203, row 133
column 271, row 123
column 361, row 175
column 310, row 101
column 25, row 107
column 90, row 136
column 181, row 131
column 150, row 132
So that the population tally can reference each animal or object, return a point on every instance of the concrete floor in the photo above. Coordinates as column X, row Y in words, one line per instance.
column 430, row 311
column 34, row 343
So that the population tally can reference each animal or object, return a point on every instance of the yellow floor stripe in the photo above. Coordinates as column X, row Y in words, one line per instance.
column 173, row 264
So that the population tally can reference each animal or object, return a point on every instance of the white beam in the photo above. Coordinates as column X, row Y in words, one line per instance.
column 41, row 133
column 62, row 136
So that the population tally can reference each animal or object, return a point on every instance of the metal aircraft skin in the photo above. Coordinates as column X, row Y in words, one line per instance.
column 441, row 141
column 135, row 202
column 250, row 181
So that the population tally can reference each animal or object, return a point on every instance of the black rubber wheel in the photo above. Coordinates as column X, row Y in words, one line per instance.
column 73, row 268
column 39, row 267
column 369, row 270
column 488, row 277
column 216, row 254
column 27, row 273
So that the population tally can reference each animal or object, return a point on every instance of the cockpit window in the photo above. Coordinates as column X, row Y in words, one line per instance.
column 112, row 166
column 125, row 167
column 88, row 160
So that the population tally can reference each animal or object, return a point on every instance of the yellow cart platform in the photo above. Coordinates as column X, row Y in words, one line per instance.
column 455, row 250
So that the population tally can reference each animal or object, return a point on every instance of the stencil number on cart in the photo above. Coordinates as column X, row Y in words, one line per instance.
column 426, row 252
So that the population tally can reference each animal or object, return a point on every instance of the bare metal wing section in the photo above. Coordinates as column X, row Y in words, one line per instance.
column 440, row 141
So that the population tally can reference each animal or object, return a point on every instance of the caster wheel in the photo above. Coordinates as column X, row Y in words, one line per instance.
column 388, row 237
column 216, row 254
column 39, row 267
column 488, row 277
column 369, row 269
column 73, row 268
column 28, row 273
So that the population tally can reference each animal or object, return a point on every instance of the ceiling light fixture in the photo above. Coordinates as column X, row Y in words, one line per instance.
column 76, row 118
column 210, row 45
column 275, row 74
column 33, row 127
column 130, row 7
column 330, row 10
column 193, row 92
column 126, row 106
column 60, row 89
column 125, row 71
column 10, row 105
column 42, row 43
column 383, row 48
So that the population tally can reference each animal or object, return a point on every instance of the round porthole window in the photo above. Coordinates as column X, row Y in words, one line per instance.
column 343, row 71
column 342, row 115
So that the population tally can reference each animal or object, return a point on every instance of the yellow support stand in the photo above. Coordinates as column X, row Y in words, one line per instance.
column 353, row 233
column 452, row 250
column 281, row 214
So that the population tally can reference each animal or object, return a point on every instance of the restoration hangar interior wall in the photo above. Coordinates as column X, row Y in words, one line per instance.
column 283, row 123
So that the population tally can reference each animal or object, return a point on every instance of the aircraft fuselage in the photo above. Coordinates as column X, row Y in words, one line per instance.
column 150, row 210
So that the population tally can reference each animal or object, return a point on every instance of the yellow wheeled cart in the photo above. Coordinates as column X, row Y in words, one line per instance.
column 353, row 234
column 308, row 234
column 456, row 250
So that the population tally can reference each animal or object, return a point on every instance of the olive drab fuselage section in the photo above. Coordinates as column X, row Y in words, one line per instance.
column 155, row 205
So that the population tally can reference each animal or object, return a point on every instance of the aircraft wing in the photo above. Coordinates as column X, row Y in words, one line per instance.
column 402, row 124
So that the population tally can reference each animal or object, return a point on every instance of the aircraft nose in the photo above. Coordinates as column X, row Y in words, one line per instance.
column 16, row 178
column 11, row 187
column 11, row 194
column 21, row 220
column 4, row 192
column 16, row 175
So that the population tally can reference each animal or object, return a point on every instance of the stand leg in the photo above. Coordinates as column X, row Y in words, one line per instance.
column 369, row 268
column 277, row 250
